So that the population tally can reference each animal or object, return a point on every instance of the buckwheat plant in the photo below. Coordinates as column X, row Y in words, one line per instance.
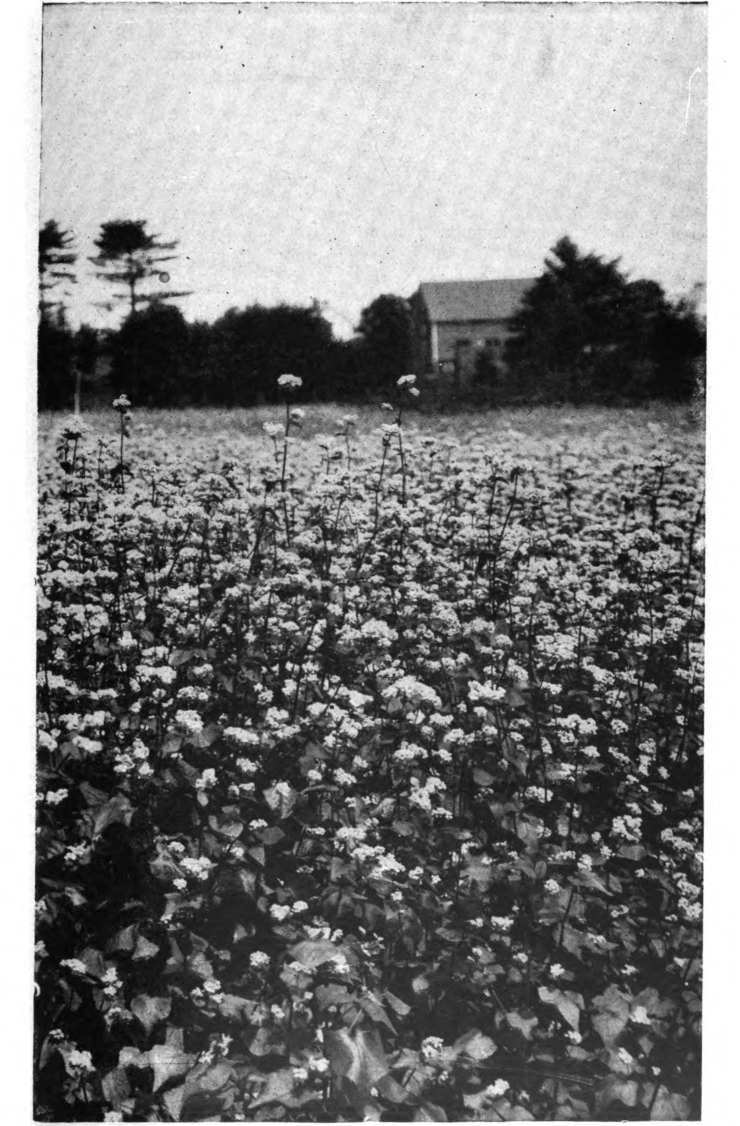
column 369, row 773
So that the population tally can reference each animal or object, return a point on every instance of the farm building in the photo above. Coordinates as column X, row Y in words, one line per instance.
column 456, row 323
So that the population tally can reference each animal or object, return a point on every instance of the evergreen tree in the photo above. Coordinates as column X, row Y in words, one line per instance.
column 56, row 259
column 585, row 331
column 55, row 345
column 127, row 253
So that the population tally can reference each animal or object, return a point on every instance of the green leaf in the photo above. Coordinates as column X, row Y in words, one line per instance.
column 391, row 1090
column 200, row 965
column 145, row 948
column 376, row 1012
column 529, row 830
column 669, row 1107
column 568, row 1004
column 475, row 1045
column 478, row 872
column 314, row 952
column 338, row 869
column 449, row 934
column 613, row 1010
column 132, row 1057
column 577, row 1053
column 150, row 1010
column 522, row 1024
column 359, row 1058
column 118, row 810
column 618, row 1064
column 234, row 1007
column 248, row 880
column 609, row 1026
column 399, row 1007
column 613, row 1001
column 277, row 1089
column 167, row 1061
column 327, row 995
column 91, row 795
column 429, row 1112
column 572, row 940
column 651, row 1000
column 267, row 1041
column 172, row 745
column 227, row 828
column 210, row 1077
column 483, row 778
column 281, row 799
column 616, row 1089
column 124, row 940
column 116, row 1087
column 511, row 1113
column 271, row 835
column 93, row 961
column 514, row 698
column 206, row 737
column 475, row 1101
column 632, row 851
column 589, row 880
column 175, row 959
column 173, row 1100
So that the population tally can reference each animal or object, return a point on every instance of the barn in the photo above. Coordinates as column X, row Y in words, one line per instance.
column 455, row 323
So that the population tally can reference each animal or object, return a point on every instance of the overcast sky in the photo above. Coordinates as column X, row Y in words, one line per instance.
column 340, row 151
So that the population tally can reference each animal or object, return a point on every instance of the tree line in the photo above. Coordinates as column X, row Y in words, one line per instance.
column 584, row 332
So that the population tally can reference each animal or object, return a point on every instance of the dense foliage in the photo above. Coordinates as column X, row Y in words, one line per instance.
column 369, row 771
column 129, row 254
column 586, row 332
column 56, row 261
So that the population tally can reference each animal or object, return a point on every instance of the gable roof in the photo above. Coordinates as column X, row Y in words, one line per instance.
column 492, row 300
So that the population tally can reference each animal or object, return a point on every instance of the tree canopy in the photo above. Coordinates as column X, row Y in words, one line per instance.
column 385, row 345
column 251, row 347
column 56, row 259
column 585, row 330
column 129, row 254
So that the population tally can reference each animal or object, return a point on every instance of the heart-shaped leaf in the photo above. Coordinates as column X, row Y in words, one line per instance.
column 150, row 1010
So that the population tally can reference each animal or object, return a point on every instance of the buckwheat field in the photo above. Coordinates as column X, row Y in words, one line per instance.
column 369, row 769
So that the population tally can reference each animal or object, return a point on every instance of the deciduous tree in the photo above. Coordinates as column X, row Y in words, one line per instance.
column 386, row 339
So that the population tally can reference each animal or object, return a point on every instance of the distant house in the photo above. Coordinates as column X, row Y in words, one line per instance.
column 456, row 322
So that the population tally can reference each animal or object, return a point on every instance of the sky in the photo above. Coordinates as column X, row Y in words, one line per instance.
column 340, row 151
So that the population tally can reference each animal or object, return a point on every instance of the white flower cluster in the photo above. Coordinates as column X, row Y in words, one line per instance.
column 290, row 382
column 421, row 795
column 485, row 694
column 189, row 721
column 414, row 692
column 200, row 866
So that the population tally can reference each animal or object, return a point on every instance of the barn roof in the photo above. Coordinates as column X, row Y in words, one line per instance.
column 492, row 300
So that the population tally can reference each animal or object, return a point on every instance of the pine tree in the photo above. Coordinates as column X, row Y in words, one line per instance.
column 55, row 262
column 130, row 255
